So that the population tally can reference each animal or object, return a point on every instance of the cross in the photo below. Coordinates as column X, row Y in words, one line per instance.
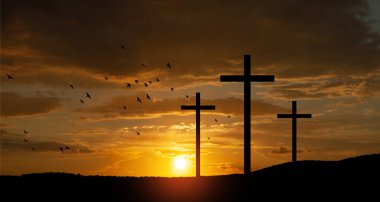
column 247, row 78
column 294, row 116
column 198, row 107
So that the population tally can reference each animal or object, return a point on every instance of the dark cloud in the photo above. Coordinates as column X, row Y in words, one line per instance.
column 294, row 38
column 13, row 104
column 228, row 105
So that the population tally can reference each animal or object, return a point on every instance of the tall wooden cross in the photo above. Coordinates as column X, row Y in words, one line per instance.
column 198, row 107
column 247, row 78
column 294, row 116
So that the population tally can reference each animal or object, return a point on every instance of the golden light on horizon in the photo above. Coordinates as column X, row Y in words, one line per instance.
column 180, row 163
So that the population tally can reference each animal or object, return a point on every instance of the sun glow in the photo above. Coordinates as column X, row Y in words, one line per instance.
column 180, row 163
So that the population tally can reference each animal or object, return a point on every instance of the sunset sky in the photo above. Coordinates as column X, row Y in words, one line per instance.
column 325, row 54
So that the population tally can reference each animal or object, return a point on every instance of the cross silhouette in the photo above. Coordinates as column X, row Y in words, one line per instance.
column 294, row 116
column 198, row 107
column 247, row 78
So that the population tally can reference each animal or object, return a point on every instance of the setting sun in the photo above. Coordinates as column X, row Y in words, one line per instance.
column 179, row 163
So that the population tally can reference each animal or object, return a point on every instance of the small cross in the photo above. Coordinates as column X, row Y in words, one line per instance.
column 294, row 116
column 198, row 107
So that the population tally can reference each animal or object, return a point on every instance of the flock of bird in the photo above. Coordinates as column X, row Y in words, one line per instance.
column 128, row 85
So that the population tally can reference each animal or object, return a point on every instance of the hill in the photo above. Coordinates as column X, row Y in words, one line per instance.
column 353, row 177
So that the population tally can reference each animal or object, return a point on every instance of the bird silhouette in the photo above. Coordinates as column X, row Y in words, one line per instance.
column 25, row 140
column 216, row 120
column 137, row 81
column 138, row 100
column 157, row 79
column 229, row 116
column 88, row 95
column 150, row 82
column 122, row 46
column 125, row 107
column 137, row 133
column 148, row 97
column 172, row 89
column 146, row 85
column 208, row 138
column 61, row 148
column 106, row 78
column 128, row 85
column 81, row 101
column 33, row 149
column 169, row 66
column 187, row 96
column 66, row 147
column 143, row 64
column 72, row 86
column 25, row 132
column 10, row 77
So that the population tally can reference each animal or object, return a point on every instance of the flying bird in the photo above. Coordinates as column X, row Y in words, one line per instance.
column 88, row 95
column 229, row 116
column 208, row 138
column 146, row 85
column 172, row 89
column 187, row 96
column 137, row 81
column 125, row 107
column 157, row 79
column 61, row 148
column 169, row 66
column 106, row 78
column 81, row 101
column 122, row 46
column 10, row 77
column 25, row 132
column 66, row 147
column 128, row 85
column 137, row 133
column 148, row 97
column 143, row 64
column 138, row 100
column 216, row 120
column 33, row 149
column 72, row 86
column 150, row 82
column 25, row 140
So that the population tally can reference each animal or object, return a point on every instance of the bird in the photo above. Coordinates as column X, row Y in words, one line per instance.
column 25, row 132
column 10, row 77
column 143, row 64
column 208, row 138
column 128, row 85
column 150, row 82
column 33, row 149
column 72, row 86
column 229, row 116
column 66, row 147
column 125, row 107
column 216, row 120
column 88, row 95
column 137, row 81
column 81, row 101
column 172, row 89
column 138, row 100
column 157, row 79
column 61, row 148
column 138, row 133
column 169, row 66
column 105, row 78
column 146, row 85
column 122, row 46
column 148, row 97
column 187, row 96
column 25, row 140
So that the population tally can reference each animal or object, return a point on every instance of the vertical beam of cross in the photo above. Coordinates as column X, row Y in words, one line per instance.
column 198, row 107
column 294, row 116
column 247, row 78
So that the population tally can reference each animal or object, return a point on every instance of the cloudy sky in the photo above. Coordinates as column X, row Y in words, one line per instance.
column 324, row 54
